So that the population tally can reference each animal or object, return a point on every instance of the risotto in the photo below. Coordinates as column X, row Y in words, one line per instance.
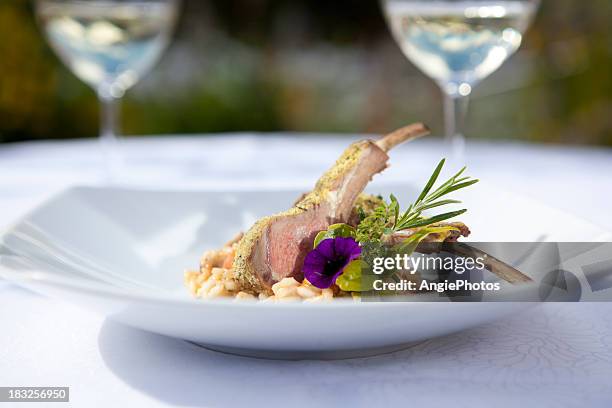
column 215, row 279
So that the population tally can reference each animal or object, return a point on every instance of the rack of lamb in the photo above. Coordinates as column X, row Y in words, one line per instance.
column 275, row 247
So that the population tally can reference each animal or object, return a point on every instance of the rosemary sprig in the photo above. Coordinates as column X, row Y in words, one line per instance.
column 388, row 218
column 428, row 199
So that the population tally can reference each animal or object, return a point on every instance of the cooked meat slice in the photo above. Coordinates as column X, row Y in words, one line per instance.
column 275, row 247
column 449, row 236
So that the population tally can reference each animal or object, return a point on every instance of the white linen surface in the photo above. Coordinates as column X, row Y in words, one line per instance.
column 557, row 355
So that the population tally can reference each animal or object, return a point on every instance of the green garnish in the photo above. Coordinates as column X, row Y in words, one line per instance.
column 373, row 226
column 387, row 219
column 410, row 244
column 334, row 231
column 352, row 280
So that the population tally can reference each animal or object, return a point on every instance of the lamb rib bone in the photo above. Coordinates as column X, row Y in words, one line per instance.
column 275, row 247
column 491, row 263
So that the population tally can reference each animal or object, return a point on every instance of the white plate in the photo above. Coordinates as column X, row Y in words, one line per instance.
column 122, row 253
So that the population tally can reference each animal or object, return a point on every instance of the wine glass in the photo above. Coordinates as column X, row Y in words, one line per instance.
column 458, row 43
column 110, row 45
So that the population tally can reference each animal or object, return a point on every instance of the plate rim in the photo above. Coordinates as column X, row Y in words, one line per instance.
column 133, row 294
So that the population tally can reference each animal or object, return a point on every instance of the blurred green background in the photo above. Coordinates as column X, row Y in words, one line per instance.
column 315, row 66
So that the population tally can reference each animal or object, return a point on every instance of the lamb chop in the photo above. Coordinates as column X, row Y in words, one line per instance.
column 275, row 247
column 447, row 242
column 461, row 230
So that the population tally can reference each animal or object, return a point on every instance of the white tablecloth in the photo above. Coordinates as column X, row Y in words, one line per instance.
column 557, row 355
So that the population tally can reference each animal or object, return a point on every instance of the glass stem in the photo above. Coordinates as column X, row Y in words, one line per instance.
column 109, row 119
column 455, row 111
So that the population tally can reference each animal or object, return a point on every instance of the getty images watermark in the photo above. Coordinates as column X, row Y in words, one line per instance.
column 532, row 272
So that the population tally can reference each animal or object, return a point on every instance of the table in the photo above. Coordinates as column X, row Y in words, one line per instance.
column 557, row 355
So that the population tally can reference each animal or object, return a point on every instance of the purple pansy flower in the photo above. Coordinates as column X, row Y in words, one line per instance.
column 324, row 264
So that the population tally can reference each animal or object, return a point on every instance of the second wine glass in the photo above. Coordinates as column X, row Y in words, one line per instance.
column 458, row 43
column 109, row 44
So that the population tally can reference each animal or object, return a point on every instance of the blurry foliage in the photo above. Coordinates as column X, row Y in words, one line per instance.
column 306, row 65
